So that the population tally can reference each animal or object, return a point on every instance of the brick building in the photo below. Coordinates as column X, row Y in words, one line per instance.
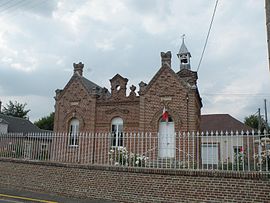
column 83, row 106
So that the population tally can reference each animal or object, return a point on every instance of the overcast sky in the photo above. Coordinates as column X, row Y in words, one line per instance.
column 41, row 39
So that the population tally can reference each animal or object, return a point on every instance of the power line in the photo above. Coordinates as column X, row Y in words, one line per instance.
column 238, row 94
column 16, row 7
column 255, row 113
column 211, row 23
column 28, row 4
column 3, row 4
column 13, row 5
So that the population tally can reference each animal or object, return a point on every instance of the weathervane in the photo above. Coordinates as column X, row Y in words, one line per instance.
column 183, row 37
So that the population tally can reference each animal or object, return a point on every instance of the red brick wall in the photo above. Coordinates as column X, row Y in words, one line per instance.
column 166, row 85
column 135, row 184
column 75, row 102
column 139, row 113
column 127, row 109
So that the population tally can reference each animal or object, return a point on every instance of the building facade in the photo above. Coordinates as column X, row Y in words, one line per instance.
column 91, row 108
column 83, row 106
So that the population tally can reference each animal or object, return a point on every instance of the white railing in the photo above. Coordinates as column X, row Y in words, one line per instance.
column 244, row 151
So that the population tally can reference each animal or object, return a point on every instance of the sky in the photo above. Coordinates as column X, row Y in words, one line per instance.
column 41, row 39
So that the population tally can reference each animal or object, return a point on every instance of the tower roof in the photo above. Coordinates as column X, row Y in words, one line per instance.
column 183, row 49
column 184, row 55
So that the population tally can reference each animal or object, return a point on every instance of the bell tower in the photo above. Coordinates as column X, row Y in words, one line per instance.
column 184, row 55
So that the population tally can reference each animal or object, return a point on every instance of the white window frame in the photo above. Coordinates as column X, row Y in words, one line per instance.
column 117, row 132
column 74, row 132
column 209, row 148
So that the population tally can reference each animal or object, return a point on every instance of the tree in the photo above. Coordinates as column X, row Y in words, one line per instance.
column 16, row 109
column 253, row 122
column 46, row 122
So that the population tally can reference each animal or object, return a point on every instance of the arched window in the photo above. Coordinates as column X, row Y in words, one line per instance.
column 117, row 132
column 74, row 132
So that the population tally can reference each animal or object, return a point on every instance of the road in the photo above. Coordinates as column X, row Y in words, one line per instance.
column 8, row 195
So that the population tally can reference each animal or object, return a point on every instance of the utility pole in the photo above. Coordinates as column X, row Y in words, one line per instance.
column 267, row 13
column 265, row 110
column 259, row 119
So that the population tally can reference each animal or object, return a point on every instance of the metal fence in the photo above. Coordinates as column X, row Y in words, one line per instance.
column 227, row 151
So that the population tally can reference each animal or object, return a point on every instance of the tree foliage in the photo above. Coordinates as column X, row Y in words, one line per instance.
column 46, row 122
column 16, row 109
column 253, row 122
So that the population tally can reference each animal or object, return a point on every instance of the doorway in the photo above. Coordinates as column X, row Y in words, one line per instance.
column 166, row 138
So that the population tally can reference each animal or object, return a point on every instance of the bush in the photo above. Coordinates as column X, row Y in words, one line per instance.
column 263, row 159
column 119, row 156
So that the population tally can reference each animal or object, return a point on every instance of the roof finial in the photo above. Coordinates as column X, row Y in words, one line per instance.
column 183, row 37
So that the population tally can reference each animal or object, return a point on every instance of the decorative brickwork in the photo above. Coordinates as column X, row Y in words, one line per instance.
column 95, row 107
column 135, row 184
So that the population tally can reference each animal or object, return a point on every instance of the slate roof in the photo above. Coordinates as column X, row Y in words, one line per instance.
column 90, row 86
column 183, row 49
column 222, row 122
column 19, row 125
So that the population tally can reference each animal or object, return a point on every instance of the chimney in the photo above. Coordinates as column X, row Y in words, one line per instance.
column 166, row 59
column 0, row 106
column 78, row 68
column 142, row 86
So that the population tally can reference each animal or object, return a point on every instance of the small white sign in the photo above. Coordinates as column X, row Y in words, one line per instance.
column 166, row 98
column 74, row 103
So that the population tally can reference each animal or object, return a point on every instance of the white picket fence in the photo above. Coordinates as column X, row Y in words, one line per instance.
column 229, row 151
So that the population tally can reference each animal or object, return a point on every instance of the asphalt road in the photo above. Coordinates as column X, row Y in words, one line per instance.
column 8, row 195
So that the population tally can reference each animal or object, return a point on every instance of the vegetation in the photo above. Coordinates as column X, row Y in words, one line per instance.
column 15, row 109
column 119, row 156
column 253, row 122
column 46, row 122
column 263, row 158
column 12, row 150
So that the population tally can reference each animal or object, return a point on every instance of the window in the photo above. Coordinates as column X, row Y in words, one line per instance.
column 184, row 59
column 44, row 147
column 74, row 132
column 209, row 153
column 238, row 157
column 118, row 87
column 267, row 147
column 117, row 132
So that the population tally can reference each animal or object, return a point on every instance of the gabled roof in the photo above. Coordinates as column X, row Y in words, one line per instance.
column 118, row 76
column 89, row 86
column 156, row 76
column 222, row 122
column 19, row 125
